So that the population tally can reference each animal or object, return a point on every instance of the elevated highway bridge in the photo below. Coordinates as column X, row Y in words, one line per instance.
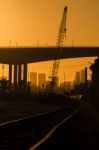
column 23, row 55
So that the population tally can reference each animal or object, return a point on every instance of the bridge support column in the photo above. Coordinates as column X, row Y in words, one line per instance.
column 25, row 73
column 15, row 74
column 10, row 74
column 86, row 75
column 19, row 73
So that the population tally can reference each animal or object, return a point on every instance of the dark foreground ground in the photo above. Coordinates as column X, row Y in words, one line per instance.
column 82, row 133
column 13, row 107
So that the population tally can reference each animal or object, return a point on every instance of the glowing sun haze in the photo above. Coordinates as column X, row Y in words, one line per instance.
column 36, row 22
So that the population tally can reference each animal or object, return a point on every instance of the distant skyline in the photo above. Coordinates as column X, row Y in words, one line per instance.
column 29, row 22
column 67, row 70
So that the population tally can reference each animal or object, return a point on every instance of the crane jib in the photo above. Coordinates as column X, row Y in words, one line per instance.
column 59, row 44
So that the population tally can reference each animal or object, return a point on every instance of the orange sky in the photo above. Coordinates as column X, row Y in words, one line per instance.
column 32, row 22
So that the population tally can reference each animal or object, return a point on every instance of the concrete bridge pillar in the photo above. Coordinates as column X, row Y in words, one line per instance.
column 15, row 74
column 25, row 73
column 19, row 73
column 10, row 74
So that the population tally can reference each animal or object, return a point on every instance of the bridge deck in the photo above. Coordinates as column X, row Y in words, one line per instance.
column 37, row 54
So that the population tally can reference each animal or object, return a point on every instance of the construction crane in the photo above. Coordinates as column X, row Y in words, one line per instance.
column 59, row 44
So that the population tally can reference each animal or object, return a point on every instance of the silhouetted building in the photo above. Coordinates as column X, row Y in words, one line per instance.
column 66, row 87
column 33, row 81
column 77, row 78
column 33, row 78
column 95, row 82
column 83, row 75
column 3, row 86
column 57, row 81
column 42, row 80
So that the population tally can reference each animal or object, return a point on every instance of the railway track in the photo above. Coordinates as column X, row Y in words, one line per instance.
column 25, row 133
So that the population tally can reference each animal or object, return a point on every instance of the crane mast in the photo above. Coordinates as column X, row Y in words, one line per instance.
column 59, row 44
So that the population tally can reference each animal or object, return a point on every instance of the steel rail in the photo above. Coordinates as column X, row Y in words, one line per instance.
column 52, row 131
column 33, row 128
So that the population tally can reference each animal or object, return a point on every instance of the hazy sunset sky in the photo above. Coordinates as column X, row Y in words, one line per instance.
column 36, row 22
